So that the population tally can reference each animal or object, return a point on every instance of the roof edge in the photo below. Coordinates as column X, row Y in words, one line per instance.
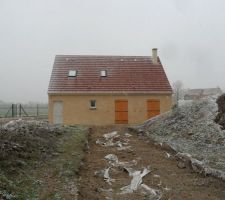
column 105, row 93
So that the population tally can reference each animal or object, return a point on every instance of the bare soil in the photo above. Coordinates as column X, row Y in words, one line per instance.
column 166, row 176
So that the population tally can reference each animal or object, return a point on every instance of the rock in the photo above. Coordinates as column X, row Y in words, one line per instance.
column 112, row 158
column 220, row 118
column 181, row 165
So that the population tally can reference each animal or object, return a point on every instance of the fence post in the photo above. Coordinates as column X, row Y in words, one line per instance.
column 20, row 110
column 13, row 110
column 1, row 123
column 37, row 110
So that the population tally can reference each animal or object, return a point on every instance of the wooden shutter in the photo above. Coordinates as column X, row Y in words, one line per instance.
column 153, row 108
column 121, row 111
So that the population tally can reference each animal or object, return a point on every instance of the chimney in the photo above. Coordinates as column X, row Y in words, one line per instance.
column 154, row 56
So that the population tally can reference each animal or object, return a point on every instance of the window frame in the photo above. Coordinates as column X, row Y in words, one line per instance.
column 91, row 105
column 103, row 73
column 72, row 71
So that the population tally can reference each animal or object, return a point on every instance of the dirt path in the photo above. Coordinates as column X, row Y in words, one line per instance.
column 165, row 177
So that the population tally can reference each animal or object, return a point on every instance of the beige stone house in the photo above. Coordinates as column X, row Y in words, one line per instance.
column 103, row 90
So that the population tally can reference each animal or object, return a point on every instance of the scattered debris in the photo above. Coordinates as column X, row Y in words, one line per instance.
column 112, row 158
column 108, row 143
column 105, row 174
column 105, row 190
column 120, row 143
column 168, row 155
column 165, row 182
column 100, row 173
column 107, row 178
column 111, row 135
column 129, row 170
column 166, row 188
column 127, row 135
column 126, row 166
column 98, row 141
column 129, row 148
column 113, row 161
column 152, row 193
column 135, row 182
column 137, row 175
column 31, row 126
column 12, row 125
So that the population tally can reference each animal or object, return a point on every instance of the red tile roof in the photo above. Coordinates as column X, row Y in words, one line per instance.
column 125, row 74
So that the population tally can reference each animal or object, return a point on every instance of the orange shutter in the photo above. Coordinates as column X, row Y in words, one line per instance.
column 153, row 108
column 121, row 111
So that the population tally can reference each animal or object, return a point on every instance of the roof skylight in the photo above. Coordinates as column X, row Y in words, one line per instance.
column 103, row 73
column 72, row 73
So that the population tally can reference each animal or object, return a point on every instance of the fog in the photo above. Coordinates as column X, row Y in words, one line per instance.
column 190, row 36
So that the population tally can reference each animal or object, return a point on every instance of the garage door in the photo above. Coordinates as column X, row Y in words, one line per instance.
column 121, row 111
column 153, row 108
column 58, row 112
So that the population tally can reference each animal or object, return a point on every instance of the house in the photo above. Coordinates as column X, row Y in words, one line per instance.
column 102, row 90
column 194, row 94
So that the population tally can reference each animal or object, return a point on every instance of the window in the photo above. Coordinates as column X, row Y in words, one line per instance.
column 72, row 73
column 103, row 73
column 93, row 104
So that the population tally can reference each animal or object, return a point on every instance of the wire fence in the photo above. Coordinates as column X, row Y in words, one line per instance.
column 20, row 110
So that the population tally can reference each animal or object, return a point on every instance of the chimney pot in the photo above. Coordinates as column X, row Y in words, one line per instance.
column 154, row 56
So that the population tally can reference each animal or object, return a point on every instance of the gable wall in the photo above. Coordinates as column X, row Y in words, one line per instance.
column 76, row 108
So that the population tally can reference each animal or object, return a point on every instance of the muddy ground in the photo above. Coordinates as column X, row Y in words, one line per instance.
column 171, row 181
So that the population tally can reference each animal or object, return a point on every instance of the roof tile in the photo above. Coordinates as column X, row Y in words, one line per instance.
column 129, row 74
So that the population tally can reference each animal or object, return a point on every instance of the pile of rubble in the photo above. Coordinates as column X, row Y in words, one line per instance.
column 191, row 131
column 31, row 126
column 22, row 140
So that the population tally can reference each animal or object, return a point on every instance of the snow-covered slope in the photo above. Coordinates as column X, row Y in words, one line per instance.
column 191, row 129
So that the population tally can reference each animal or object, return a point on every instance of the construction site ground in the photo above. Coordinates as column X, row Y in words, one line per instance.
column 165, row 176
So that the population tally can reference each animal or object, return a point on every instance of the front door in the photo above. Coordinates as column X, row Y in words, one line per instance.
column 153, row 108
column 121, row 111
column 58, row 112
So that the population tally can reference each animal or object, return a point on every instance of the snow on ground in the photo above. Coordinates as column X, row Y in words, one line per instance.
column 191, row 129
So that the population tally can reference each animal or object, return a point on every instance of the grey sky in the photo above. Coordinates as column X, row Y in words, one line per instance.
column 190, row 35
